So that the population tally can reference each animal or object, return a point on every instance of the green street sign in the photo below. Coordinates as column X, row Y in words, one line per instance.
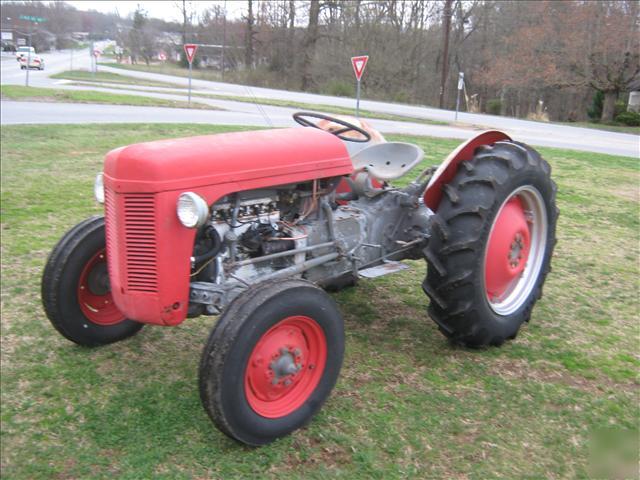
column 31, row 18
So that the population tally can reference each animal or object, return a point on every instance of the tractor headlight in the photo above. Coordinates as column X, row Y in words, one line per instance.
column 98, row 188
column 192, row 210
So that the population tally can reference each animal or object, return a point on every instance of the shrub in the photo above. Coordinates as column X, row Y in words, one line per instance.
column 620, row 107
column 401, row 97
column 632, row 119
column 339, row 89
column 595, row 112
column 494, row 106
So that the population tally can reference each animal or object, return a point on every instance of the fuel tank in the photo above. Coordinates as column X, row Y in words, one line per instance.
column 247, row 159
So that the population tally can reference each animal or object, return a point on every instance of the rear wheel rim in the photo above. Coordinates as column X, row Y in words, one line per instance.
column 515, row 250
column 94, row 293
column 285, row 366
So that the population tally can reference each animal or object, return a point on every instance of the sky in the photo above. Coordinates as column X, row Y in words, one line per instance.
column 166, row 10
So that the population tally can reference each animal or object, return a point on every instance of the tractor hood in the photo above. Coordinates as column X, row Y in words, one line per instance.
column 241, row 160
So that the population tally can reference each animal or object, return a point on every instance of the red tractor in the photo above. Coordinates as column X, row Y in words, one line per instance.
column 249, row 226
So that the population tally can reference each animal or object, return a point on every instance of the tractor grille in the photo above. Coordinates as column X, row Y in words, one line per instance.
column 137, row 228
column 140, row 243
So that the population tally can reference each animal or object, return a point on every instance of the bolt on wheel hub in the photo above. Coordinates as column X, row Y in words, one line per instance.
column 515, row 253
column 284, row 366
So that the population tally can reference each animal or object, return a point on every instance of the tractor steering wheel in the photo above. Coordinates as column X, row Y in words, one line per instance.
column 303, row 119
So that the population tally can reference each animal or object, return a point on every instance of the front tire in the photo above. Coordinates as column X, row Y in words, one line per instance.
column 271, row 360
column 494, row 234
column 75, row 289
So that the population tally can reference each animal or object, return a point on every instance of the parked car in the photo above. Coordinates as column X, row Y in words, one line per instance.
column 35, row 61
column 24, row 52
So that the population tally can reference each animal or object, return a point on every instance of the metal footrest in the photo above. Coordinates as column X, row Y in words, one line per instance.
column 387, row 267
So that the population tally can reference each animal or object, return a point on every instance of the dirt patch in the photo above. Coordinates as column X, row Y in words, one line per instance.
column 329, row 456
column 629, row 193
column 539, row 372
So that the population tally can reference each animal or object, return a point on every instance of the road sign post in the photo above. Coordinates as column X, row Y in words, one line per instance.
column 460, row 87
column 359, row 64
column 35, row 21
column 26, row 80
column 190, row 52
column 96, row 55
column 91, row 58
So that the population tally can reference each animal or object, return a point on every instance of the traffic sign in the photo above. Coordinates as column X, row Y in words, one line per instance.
column 359, row 64
column 190, row 51
column 31, row 18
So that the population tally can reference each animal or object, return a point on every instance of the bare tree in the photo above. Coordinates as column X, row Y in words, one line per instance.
column 309, row 44
column 249, row 36
column 446, row 27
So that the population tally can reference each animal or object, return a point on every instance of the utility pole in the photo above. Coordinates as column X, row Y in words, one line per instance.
column 445, row 49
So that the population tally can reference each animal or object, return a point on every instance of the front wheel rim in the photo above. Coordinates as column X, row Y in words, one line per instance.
column 285, row 366
column 94, row 293
column 515, row 250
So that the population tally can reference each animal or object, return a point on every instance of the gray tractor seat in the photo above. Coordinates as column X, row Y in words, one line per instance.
column 387, row 161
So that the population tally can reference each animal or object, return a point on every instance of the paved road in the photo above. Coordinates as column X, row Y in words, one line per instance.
column 54, row 62
column 241, row 113
column 37, row 112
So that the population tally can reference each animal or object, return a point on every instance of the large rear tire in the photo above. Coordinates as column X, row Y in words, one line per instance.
column 494, row 234
column 271, row 360
column 75, row 289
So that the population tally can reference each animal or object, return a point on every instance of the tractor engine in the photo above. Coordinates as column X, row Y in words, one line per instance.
column 305, row 230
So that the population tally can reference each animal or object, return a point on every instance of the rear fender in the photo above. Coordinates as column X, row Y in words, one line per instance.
column 447, row 169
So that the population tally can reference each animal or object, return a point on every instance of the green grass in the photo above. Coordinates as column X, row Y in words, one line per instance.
column 605, row 126
column 407, row 404
column 86, row 76
column 167, row 68
column 20, row 93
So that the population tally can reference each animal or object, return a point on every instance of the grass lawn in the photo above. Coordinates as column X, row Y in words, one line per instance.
column 605, row 126
column 86, row 76
column 407, row 403
column 16, row 92
column 168, row 68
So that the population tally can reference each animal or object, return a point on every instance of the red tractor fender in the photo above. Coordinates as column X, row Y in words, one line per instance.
column 448, row 168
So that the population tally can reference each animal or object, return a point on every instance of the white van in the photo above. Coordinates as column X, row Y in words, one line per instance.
column 24, row 52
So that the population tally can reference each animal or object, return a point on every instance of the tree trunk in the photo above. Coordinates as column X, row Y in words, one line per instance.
column 184, row 22
column 248, row 41
column 445, row 49
column 291, row 35
column 309, row 45
column 608, row 106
